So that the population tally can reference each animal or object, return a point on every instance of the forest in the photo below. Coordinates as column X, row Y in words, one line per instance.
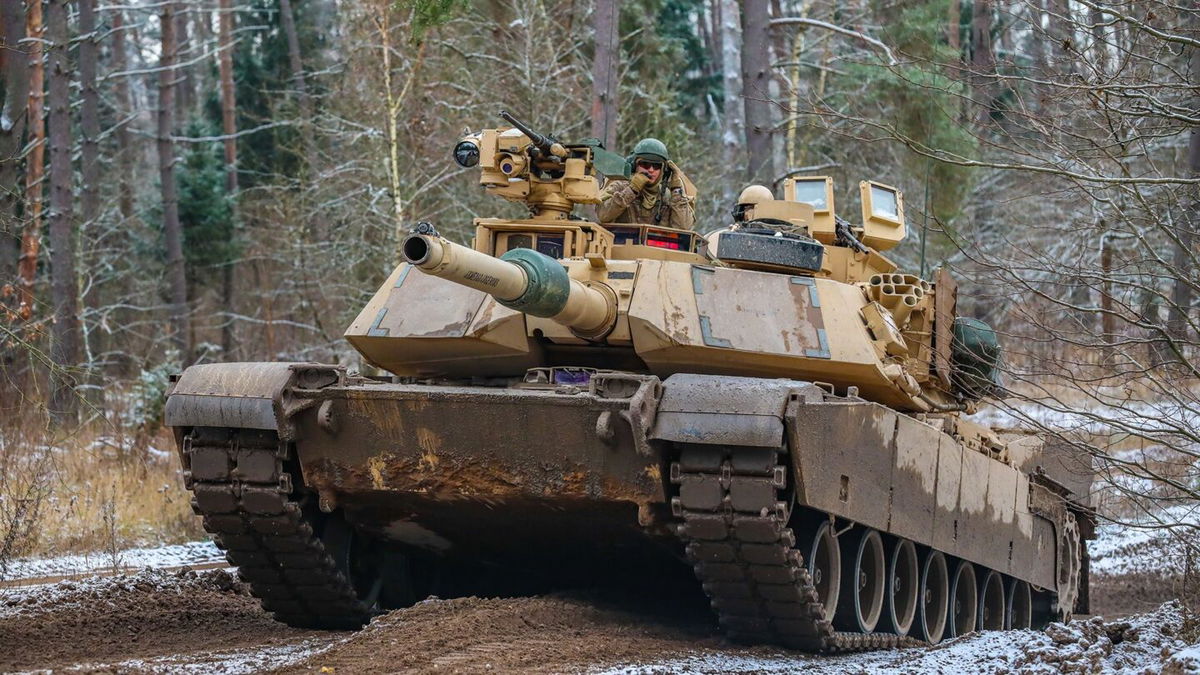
column 202, row 181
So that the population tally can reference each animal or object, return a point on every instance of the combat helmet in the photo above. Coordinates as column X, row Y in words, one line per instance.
column 750, row 197
column 651, row 148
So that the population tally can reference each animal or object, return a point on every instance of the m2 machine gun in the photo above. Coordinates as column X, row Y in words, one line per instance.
column 776, row 410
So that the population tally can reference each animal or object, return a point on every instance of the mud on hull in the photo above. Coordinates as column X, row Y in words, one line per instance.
column 775, row 492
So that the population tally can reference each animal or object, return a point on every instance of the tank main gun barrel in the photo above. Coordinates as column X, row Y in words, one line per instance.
column 521, row 279
column 546, row 145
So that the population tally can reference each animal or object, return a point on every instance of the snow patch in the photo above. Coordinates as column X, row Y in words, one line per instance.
column 1144, row 644
column 176, row 555
column 236, row 662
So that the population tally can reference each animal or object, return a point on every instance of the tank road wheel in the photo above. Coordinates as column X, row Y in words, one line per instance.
column 736, row 515
column 825, row 566
column 991, row 601
column 864, row 570
column 964, row 599
column 355, row 557
column 1019, row 603
column 900, row 601
column 1043, row 609
column 935, row 598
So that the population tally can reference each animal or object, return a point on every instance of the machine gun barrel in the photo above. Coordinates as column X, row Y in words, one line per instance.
column 548, row 146
column 521, row 279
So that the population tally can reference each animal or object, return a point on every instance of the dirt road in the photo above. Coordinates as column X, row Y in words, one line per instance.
column 206, row 622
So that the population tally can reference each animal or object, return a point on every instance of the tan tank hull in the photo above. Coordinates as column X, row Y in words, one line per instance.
column 398, row 461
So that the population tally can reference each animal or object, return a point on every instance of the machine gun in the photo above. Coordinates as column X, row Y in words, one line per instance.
column 518, row 164
column 546, row 145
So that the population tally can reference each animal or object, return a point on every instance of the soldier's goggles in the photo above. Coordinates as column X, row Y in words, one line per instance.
column 648, row 164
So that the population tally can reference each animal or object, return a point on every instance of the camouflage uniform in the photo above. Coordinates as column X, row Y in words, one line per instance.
column 656, row 205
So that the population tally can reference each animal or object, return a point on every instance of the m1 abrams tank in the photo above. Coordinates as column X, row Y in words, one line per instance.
column 786, row 419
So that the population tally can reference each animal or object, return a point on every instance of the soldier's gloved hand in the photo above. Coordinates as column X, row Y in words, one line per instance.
column 639, row 181
column 676, row 179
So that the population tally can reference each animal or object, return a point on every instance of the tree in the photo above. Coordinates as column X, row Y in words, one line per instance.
column 172, row 230
column 756, row 74
column 983, row 61
column 229, row 131
column 733, row 128
column 1183, row 289
column 89, row 126
column 124, row 110
column 297, row 67
column 605, row 86
column 35, row 170
column 14, row 69
column 65, row 338
column 205, row 213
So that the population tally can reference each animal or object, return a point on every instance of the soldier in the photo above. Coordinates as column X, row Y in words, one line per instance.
column 750, row 197
column 657, row 193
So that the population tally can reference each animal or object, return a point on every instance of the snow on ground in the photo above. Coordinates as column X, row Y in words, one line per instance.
column 1145, row 545
column 93, row 590
column 1146, row 644
column 191, row 553
column 234, row 662
column 1169, row 419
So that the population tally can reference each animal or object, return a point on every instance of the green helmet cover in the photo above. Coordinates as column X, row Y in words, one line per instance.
column 651, row 148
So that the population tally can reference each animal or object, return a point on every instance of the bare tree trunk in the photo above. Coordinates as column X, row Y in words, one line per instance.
column 183, row 74
column 228, row 128
column 297, row 67
column 1099, row 45
column 36, row 163
column 89, row 116
column 1108, row 320
column 983, row 62
column 1062, row 35
column 1181, row 292
column 605, row 87
column 953, row 19
column 14, row 68
column 1037, row 41
column 733, row 127
column 172, row 230
column 124, row 109
column 89, row 126
column 64, row 344
column 756, row 77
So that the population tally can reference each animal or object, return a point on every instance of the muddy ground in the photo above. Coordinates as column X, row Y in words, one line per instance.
column 206, row 622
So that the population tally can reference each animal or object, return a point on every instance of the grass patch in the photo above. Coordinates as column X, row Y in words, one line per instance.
column 97, row 490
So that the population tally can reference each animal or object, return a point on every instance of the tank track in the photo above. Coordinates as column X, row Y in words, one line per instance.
column 247, row 499
column 734, row 514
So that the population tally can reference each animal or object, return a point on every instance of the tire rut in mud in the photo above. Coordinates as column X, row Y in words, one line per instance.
column 143, row 616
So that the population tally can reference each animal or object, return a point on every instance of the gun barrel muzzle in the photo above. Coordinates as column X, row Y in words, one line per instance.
column 443, row 258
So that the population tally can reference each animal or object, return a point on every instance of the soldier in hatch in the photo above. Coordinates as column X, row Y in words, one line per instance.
column 657, row 192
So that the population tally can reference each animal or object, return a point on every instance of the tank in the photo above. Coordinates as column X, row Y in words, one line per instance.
column 775, row 413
